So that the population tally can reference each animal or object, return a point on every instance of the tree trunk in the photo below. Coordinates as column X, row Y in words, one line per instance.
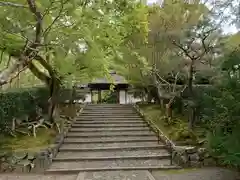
column 190, row 79
column 192, row 117
column 169, row 107
column 159, row 92
column 54, row 87
column 192, row 109
column 149, row 96
column 73, row 95
column 52, row 82
column 169, row 111
column 180, row 106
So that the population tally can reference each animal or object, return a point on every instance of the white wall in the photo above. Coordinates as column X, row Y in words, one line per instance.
column 122, row 96
column 131, row 99
column 127, row 99
column 88, row 98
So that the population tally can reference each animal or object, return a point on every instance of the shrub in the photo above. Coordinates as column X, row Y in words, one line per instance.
column 18, row 103
column 221, row 116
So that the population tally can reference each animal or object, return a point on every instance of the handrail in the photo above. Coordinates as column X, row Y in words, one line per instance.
column 157, row 130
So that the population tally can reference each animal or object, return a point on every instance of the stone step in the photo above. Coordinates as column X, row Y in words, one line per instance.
column 108, row 104
column 107, row 125
column 121, row 114
column 109, row 110
column 104, row 158
column 109, row 118
column 108, row 122
column 115, row 175
column 109, row 115
column 109, row 139
column 77, row 166
column 110, row 134
column 74, row 170
column 109, row 129
column 103, row 113
column 117, row 154
column 109, row 107
column 111, row 146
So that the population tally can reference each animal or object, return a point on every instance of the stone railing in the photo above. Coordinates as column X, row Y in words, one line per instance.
column 22, row 162
column 186, row 156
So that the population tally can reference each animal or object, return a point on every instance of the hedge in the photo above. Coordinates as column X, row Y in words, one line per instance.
column 20, row 102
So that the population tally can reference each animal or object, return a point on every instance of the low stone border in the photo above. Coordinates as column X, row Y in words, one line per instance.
column 185, row 156
column 38, row 162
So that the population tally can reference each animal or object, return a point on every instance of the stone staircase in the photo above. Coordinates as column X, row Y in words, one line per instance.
column 110, row 137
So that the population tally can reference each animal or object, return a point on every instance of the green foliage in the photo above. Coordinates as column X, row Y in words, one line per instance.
column 220, row 116
column 225, row 146
column 110, row 97
column 19, row 103
column 80, row 39
column 181, row 132
column 223, row 104
column 231, row 61
column 65, row 94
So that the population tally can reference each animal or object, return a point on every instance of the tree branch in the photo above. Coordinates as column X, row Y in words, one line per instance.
column 12, row 4
column 25, row 57
column 1, row 59
column 203, row 39
column 45, row 64
column 56, row 18
column 6, row 74
column 38, row 17
column 185, row 51
column 39, row 74
column 23, row 69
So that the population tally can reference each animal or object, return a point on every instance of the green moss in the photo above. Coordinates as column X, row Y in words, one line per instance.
column 154, row 112
column 28, row 143
column 176, row 130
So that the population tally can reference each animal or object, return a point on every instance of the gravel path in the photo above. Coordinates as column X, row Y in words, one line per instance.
column 185, row 174
column 116, row 175
column 36, row 177
column 197, row 174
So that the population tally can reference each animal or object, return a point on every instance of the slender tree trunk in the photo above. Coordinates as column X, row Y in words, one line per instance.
column 169, row 107
column 192, row 117
column 169, row 111
column 192, row 108
column 54, row 87
column 159, row 92
column 149, row 96
column 190, row 79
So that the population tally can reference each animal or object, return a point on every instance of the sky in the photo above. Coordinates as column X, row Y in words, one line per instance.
column 227, row 29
